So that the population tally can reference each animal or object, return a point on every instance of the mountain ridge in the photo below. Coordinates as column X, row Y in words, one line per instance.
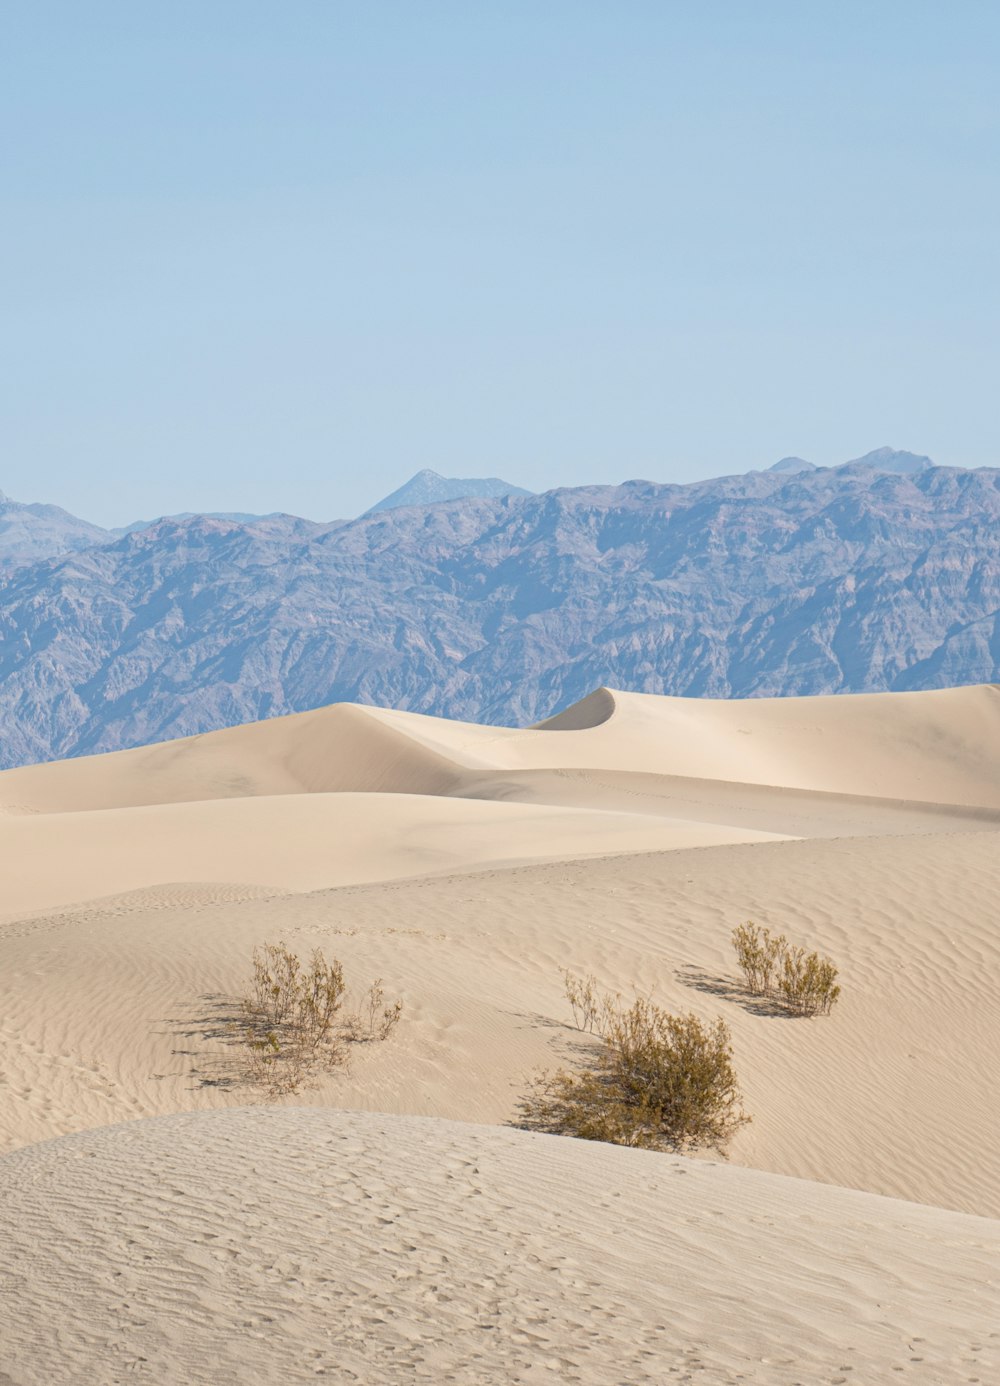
column 502, row 610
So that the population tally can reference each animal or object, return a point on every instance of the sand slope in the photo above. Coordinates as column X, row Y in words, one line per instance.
column 118, row 1010
column 941, row 746
column 304, row 841
column 296, row 1245
column 468, row 866
column 265, row 804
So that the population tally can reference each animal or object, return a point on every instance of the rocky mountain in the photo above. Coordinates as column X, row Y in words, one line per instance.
column 502, row 610
column 31, row 532
column 429, row 488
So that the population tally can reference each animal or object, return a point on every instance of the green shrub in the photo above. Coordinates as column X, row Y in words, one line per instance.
column 660, row 1081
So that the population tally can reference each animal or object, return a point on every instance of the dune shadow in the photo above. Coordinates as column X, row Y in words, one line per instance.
column 727, row 989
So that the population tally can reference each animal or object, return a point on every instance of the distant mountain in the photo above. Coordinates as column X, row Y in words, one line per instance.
column 33, row 533
column 889, row 460
column 29, row 533
column 793, row 464
column 429, row 488
column 241, row 517
column 505, row 609
column 881, row 460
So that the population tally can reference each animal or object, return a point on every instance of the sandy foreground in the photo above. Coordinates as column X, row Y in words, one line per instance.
column 364, row 1230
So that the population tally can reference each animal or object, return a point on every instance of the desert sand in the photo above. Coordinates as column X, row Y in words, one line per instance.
column 162, row 1221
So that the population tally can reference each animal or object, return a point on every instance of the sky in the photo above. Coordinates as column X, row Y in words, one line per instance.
column 264, row 256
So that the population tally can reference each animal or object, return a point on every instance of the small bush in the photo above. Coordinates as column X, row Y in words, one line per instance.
column 804, row 983
column 807, row 983
column 757, row 954
column 660, row 1082
column 591, row 1010
column 290, row 1019
column 375, row 1020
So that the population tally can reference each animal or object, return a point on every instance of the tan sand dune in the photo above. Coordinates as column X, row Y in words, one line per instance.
column 110, row 1012
column 305, row 841
column 296, row 1245
column 940, row 747
column 337, row 748
column 467, row 867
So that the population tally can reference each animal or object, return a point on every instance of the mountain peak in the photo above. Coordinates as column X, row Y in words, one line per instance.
column 793, row 464
column 428, row 487
column 889, row 460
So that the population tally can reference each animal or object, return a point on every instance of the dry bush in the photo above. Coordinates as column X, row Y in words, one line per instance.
column 804, row 983
column 288, row 1019
column 757, row 954
column 375, row 1020
column 291, row 1018
column 660, row 1081
column 807, row 983
column 591, row 1010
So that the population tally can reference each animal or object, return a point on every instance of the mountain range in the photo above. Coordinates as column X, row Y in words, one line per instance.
column 32, row 532
column 502, row 609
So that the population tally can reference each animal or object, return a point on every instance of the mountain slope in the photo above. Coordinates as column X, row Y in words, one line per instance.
column 499, row 610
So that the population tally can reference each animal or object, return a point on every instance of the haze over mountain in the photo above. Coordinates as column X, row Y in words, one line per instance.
column 499, row 610
column 29, row 533
column 240, row 516
column 429, row 488
column 879, row 460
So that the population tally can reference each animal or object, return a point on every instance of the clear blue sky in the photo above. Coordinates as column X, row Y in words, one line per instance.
column 268, row 256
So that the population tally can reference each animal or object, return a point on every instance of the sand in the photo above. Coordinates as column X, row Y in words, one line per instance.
column 848, row 1234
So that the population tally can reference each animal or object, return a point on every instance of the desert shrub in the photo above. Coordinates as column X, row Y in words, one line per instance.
column 660, row 1081
column 757, row 954
column 291, row 1018
column 374, row 1020
column 804, row 983
column 591, row 1010
column 807, row 982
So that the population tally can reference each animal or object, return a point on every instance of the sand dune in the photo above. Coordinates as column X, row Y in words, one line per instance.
column 304, row 842
column 290, row 1246
column 118, row 1009
column 467, row 866
column 940, row 747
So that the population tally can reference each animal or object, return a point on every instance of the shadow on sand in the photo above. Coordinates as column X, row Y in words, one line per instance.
column 215, row 1022
column 729, row 990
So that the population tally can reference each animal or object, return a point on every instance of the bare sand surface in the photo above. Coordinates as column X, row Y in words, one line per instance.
column 467, row 866
column 300, row 1245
